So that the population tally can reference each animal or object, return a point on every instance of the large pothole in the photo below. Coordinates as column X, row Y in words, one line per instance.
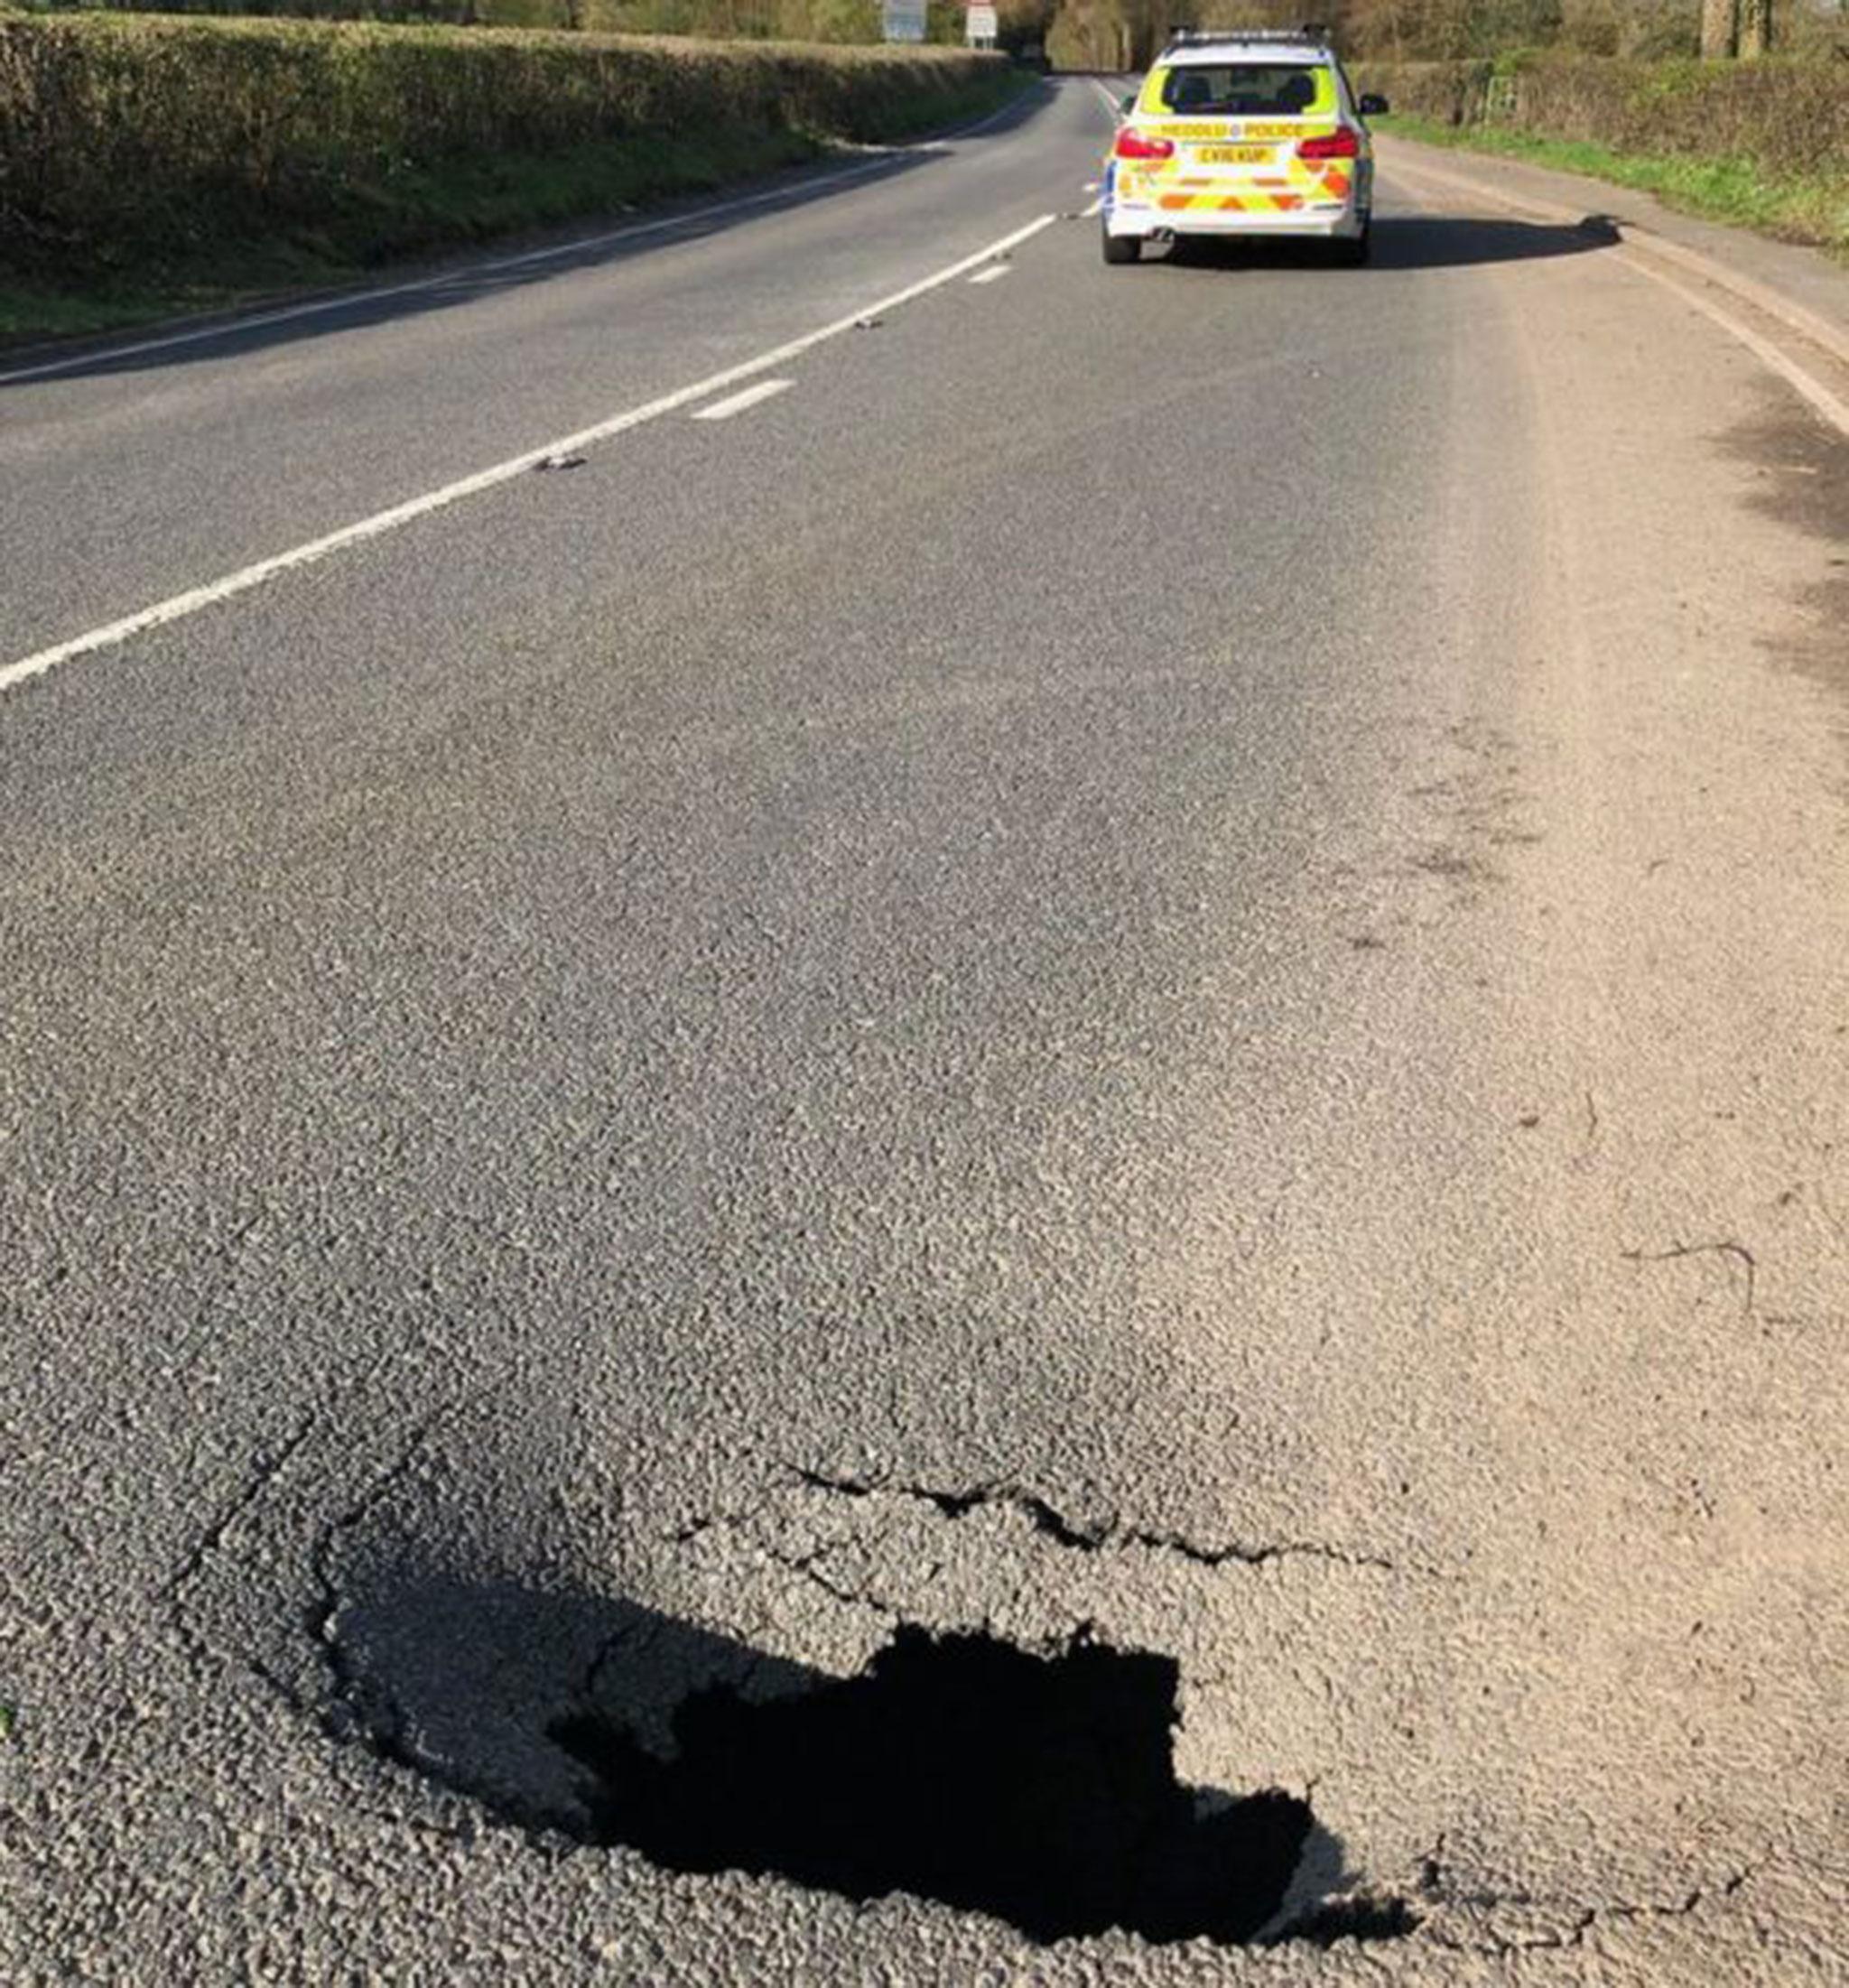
column 1038, row 1788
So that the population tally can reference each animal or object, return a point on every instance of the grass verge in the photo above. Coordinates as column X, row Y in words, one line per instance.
column 1735, row 191
column 453, row 205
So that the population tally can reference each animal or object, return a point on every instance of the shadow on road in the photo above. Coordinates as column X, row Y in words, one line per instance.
column 407, row 292
column 1424, row 241
column 1799, row 468
column 1039, row 1788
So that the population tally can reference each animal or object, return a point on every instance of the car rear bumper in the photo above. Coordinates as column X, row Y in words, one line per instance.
column 1341, row 223
column 1138, row 203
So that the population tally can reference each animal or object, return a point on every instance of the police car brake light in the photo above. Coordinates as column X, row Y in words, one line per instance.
column 1132, row 145
column 1340, row 143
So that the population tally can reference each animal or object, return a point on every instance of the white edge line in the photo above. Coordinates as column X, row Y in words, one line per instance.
column 1834, row 410
column 1636, row 256
column 1763, row 296
column 1806, row 323
column 231, row 327
column 177, row 606
column 352, row 299
column 993, row 273
column 970, row 131
column 736, row 403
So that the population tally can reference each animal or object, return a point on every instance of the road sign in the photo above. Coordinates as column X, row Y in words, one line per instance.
column 903, row 19
column 984, row 25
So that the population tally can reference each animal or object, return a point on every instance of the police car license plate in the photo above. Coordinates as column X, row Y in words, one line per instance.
column 1234, row 155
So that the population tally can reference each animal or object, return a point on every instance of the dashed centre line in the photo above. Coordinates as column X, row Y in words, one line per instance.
column 736, row 403
column 178, row 607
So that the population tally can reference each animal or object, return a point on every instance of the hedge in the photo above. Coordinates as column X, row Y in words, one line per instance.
column 712, row 19
column 1786, row 118
column 125, row 130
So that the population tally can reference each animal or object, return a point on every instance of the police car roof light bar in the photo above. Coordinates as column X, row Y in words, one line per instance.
column 1312, row 32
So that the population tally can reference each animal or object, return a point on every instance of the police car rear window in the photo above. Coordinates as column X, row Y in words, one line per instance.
column 1241, row 89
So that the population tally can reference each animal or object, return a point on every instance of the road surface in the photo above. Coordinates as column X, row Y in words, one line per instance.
column 1119, row 960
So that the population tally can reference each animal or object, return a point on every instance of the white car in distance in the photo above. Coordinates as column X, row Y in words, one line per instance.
column 1243, row 134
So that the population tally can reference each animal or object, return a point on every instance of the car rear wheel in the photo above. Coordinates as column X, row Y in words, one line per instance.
column 1121, row 248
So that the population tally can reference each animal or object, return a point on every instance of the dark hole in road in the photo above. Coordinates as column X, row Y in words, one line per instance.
column 957, row 1768
column 1040, row 1789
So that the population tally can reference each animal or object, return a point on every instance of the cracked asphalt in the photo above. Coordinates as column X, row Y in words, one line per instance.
column 1157, row 966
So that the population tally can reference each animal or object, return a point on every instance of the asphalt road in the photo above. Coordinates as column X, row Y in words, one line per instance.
column 1154, row 964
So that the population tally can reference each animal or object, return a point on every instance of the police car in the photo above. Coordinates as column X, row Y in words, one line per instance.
column 1242, row 132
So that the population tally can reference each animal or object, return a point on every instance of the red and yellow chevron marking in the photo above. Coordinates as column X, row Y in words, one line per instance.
column 1303, row 183
column 1248, row 203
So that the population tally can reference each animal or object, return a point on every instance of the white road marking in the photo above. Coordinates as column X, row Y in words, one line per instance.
column 1775, row 303
column 736, row 403
column 1831, row 406
column 1091, row 186
column 1636, row 256
column 965, row 131
column 348, row 300
column 993, row 273
column 1110, row 102
column 1097, row 206
column 177, row 606
column 231, row 328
